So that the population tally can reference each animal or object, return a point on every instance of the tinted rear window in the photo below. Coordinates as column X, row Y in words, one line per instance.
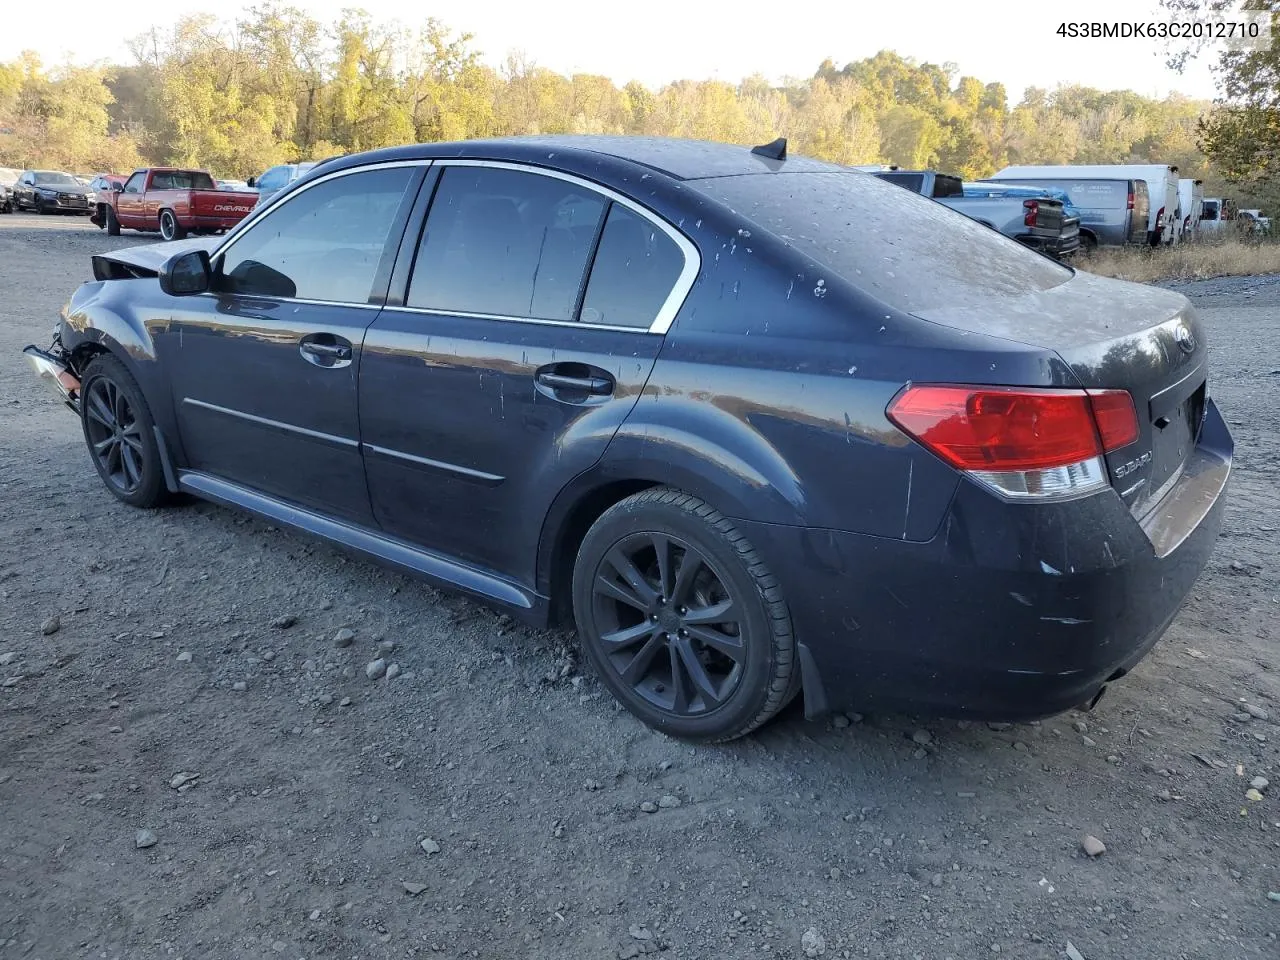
column 910, row 252
column 1094, row 194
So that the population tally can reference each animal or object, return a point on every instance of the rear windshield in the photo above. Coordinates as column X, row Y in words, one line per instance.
column 1095, row 194
column 910, row 252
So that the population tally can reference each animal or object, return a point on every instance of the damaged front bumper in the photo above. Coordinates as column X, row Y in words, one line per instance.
column 49, row 365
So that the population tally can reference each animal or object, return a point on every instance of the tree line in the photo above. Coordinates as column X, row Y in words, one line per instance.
column 277, row 85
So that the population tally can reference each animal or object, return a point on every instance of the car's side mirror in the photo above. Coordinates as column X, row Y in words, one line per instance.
column 186, row 274
column 117, row 187
column 252, row 182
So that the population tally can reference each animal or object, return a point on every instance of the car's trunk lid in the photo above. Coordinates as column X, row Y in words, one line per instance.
column 1115, row 335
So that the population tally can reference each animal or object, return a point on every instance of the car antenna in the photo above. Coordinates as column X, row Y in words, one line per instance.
column 777, row 150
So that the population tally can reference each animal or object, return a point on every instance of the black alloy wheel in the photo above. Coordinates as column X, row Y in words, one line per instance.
column 119, row 432
column 668, row 624
column 115, row 435
column 682, row 619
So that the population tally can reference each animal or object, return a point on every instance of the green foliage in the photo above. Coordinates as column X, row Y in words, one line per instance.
column 278, row 85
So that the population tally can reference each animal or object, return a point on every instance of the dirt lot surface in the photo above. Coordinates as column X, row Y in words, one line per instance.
column 141, row 649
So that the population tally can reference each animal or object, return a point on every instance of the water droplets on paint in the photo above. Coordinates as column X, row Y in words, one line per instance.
column 853, row 370
column 791, row 286
column 698, row 223
column 820, row 290
column 744, row 234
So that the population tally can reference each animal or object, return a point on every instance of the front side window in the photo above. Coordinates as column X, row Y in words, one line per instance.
column 324, row 243
column 505, row 243
column 134, row 184
column 635, row 268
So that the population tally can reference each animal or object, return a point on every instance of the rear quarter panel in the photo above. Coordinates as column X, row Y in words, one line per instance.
column 768, row 398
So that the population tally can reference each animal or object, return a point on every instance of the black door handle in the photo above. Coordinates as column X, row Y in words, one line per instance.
column 596, row 386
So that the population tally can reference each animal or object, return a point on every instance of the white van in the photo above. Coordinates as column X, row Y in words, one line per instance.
column 1191, row 200
column 1162, row 188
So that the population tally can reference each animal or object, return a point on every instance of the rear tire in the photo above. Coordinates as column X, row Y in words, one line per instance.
column 170, row 229
column 681, row 618
column 111, row 223
column 120, row 433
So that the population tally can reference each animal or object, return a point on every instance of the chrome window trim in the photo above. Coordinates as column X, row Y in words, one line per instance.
column 662, row 321
column 676, row 297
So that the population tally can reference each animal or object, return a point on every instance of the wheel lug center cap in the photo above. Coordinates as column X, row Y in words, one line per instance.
column 669, row 620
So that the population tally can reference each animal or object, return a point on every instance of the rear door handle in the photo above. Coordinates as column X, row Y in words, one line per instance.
column 596, row 386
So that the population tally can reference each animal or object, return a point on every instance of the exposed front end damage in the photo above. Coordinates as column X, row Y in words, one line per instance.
column 54, row 366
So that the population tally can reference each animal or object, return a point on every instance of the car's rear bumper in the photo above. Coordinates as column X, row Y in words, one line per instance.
column 1012, row 611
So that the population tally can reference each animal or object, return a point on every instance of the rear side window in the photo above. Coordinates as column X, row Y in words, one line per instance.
column 1210, row 210
column 324, row 243
column 505, row 243
column 635, row 268
column 190, row 180
column 908, row 251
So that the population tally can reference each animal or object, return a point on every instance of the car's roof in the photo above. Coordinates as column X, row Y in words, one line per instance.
column 677, row 158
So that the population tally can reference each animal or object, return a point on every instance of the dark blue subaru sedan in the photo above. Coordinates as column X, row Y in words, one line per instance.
column 758, row 425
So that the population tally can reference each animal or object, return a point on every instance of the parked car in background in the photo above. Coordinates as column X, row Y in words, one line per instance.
column 1040, row 222
column 277, row 178
column 1191, row 200
column 8, row 177
column 536, row 371
column 1113, row 213
column 50, row 191
column 1253, row 222
column 1161, row 182
column 175, row 202
column 241, row 186
column 981, row 188
column 99, row 193
column 1218, row 216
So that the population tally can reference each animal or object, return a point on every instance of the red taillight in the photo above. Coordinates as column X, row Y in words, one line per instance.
column 1131, row 201
column 991, row 428
column 1160, row 217
column 1001, row 428
column 1117, row 420
column 1031, row 209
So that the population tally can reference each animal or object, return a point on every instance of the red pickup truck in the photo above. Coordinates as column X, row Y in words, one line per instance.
column 174, row 201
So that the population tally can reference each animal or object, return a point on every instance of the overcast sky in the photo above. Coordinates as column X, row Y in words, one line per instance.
column 656, row 41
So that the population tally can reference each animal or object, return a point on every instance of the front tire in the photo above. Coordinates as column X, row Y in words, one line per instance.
column 681, row 618
column 120, row 433
column 112, row 224
column 170, row 229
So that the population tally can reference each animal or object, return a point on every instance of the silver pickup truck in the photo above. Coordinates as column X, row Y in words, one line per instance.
column 1039, row 222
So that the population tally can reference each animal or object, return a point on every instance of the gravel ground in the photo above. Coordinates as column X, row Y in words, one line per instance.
column 193, row 765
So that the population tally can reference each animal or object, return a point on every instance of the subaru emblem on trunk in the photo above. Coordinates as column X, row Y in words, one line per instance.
column 1185, row 338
